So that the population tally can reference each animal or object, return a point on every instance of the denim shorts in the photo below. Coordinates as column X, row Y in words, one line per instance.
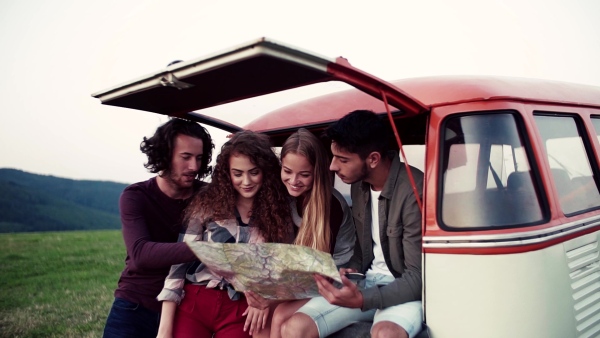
column 332, row 318
column 130, row 320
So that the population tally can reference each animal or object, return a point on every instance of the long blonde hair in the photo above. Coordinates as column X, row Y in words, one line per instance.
column 314, row 230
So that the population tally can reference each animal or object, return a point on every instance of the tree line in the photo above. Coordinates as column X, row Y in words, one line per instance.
column 31, row 202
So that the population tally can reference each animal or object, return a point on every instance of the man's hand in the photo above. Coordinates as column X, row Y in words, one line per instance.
column 348, row 296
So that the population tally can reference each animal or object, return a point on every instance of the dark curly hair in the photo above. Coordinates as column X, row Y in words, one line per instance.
column 159, row 147
column 361, row 132
column 271, row 205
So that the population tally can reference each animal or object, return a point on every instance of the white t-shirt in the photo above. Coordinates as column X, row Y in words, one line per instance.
column 378, row 265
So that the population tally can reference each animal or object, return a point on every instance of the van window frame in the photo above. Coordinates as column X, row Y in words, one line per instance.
column 534, row 168
column 587, row 147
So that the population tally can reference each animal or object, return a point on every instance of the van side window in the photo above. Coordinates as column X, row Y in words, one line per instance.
column 596, row 123
column 486, row 176
column 569, row 163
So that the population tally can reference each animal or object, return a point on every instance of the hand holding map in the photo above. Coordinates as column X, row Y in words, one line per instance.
column 272, row 270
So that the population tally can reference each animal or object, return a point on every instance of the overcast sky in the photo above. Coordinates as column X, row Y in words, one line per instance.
column 55, row 54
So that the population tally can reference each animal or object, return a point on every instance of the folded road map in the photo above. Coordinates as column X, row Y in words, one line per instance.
column 272, row 270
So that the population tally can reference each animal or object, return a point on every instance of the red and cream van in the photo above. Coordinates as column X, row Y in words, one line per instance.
column 511, row 204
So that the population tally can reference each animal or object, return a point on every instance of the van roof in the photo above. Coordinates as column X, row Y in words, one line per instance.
column 433, row 92
column 444, row 90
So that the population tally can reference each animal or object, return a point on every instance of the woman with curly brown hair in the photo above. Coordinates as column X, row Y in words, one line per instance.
column 245, row 202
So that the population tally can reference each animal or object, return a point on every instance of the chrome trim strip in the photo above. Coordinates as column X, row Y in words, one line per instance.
column 509, row 240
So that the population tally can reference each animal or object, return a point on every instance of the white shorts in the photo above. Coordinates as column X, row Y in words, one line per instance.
column 332, row 318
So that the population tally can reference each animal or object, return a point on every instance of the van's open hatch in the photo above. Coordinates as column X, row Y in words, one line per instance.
column 253, row 69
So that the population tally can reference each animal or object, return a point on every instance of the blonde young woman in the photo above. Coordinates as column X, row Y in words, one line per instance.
column 321, row 214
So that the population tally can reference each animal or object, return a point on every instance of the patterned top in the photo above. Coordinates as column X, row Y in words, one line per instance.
column 225, row 231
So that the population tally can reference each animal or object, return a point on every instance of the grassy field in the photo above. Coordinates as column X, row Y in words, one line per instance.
column 58, row 284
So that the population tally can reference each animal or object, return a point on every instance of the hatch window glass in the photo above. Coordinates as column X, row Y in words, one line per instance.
column 486, row 176
column 569, row 163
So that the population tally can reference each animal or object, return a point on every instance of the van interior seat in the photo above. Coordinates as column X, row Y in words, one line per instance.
column 522, row 198
column 577, row 193
column 519, row 181
column 475, row 208
column 562, row 182
column 569, row 199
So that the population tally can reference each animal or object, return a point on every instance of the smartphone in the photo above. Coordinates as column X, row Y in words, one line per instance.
column 354, row 275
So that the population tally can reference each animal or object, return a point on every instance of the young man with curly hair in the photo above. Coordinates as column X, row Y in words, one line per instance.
column 151, row 215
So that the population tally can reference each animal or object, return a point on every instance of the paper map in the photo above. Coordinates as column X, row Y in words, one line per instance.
column 272, row 270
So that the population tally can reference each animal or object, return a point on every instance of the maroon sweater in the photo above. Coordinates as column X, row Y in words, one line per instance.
column 151, row 224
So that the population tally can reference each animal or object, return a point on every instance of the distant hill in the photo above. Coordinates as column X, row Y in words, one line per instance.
column 30, row 202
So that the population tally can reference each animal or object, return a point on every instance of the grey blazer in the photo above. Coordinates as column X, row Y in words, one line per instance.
column 400, row 233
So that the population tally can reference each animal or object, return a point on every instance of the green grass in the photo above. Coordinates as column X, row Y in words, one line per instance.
column 58, row 284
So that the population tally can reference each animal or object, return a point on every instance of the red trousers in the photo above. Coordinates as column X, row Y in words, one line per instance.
column 204, row 312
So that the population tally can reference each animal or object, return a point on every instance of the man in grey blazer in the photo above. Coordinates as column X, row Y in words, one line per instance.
column 388, row 247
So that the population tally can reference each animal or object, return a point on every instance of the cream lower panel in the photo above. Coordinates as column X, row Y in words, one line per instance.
column 515, row 295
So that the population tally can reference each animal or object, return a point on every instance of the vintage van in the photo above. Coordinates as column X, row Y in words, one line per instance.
column 511, row 204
